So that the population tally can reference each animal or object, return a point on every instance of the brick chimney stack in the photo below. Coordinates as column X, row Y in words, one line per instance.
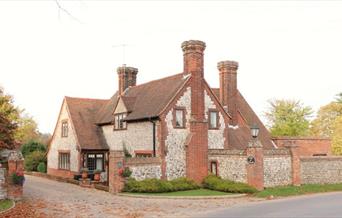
column 228, row 87
column 127, row 77
column 197, row 147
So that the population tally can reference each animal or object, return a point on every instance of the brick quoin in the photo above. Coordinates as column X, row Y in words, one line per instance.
column 197, row 149
column 295, row 162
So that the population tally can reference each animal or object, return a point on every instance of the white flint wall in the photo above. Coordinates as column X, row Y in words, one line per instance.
column 175, row 141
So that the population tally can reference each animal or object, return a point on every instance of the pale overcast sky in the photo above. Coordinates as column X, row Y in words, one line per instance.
column 286, row 49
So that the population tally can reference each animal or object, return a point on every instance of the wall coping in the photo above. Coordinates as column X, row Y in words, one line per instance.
column 279, row 151
column 300, row 138
column 323, row 158
column 142, row 161
column 226, row 152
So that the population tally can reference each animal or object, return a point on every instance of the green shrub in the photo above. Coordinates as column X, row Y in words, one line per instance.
column 33, row 159
column 182, row 184
column 126, row 172
column 159, row 186
column 32, row 146
column 216, row 183
column 41, row 167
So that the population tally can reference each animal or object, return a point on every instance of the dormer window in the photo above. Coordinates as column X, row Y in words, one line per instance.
column 119, row 123
column 64, row 128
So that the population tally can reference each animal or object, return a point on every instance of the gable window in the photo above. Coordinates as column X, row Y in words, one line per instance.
column 64, row 161
column 119, row 122
column 65, row 129
column 213, row 119
column 213, row 167
column 179, row 118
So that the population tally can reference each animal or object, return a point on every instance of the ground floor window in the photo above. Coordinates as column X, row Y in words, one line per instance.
column 95, row 161
column 64, row 161
column 213, row 167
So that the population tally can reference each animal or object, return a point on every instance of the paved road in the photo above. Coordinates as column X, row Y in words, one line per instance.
column 310, row 206
column 58, row 199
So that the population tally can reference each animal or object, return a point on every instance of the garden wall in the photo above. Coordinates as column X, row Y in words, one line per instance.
column 321, row 170
column 307, row 146
column 3, row 189
column 277, row 168
column 231, row 164
column 144, row 168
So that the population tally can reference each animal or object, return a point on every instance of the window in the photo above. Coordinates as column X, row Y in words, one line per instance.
column 143, row 153
column 179, row 118
column 95, row 161
column 64, row 161
column 119, row 122
column 213, row 120
column 65, row 129
column 213, row 167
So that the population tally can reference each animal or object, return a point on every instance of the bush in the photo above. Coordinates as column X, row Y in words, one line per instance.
column 217, row 183
column 32, row 146
column 17, row 178
column 126, row 172
column 33, row 159
column 41, row 167
column 159, row 186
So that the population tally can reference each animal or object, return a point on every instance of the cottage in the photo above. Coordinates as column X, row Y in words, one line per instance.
column 177, row 126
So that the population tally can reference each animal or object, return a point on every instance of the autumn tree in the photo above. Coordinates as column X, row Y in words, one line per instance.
column 7, row 130
column 26, row 128
column 288, row 118
column 328, row 123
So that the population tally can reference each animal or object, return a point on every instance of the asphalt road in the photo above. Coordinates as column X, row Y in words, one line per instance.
column 320, row 206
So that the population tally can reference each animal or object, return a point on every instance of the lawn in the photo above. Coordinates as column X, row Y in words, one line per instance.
column 196, row 192
column 284, row 191
column 5, row 204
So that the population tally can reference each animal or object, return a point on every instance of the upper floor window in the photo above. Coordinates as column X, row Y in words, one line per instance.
column 213, row 119
column 65, row 129
column 119, row 122
column 179, row 118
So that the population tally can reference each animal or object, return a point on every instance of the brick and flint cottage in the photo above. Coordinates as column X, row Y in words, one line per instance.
column 177, row 126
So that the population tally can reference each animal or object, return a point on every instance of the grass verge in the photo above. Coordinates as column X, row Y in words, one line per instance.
column 283, row 191
column 196, row 192
column 5, row 204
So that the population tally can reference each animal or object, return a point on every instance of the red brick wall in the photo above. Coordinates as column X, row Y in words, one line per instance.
column 60, row 173
column 307, row 146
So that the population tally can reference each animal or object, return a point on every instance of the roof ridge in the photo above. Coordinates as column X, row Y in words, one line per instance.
column 90, row 99
column 157, row 80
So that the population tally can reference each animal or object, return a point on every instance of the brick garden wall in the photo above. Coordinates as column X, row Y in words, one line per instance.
column 321, row 170
column 307, row 146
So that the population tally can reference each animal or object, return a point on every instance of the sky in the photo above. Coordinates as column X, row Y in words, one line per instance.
column 285, row 49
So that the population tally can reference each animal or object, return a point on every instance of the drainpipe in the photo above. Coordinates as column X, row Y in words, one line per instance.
column 154, row 135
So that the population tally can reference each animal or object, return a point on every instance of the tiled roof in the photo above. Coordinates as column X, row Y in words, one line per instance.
column 239, row 137
column 82, row 114
column 144, row 101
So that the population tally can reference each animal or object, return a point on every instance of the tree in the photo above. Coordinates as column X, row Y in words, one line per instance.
column 27, row 128
column 32, row 146
column 7, row 130
column 339, row 97
column 337, row 136
column 323, row 124
column 288, row 118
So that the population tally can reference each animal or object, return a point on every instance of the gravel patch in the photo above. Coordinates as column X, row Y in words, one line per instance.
column 58, row 199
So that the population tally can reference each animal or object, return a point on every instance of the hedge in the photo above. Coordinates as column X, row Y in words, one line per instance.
column 217, row 183
column 159, row 186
